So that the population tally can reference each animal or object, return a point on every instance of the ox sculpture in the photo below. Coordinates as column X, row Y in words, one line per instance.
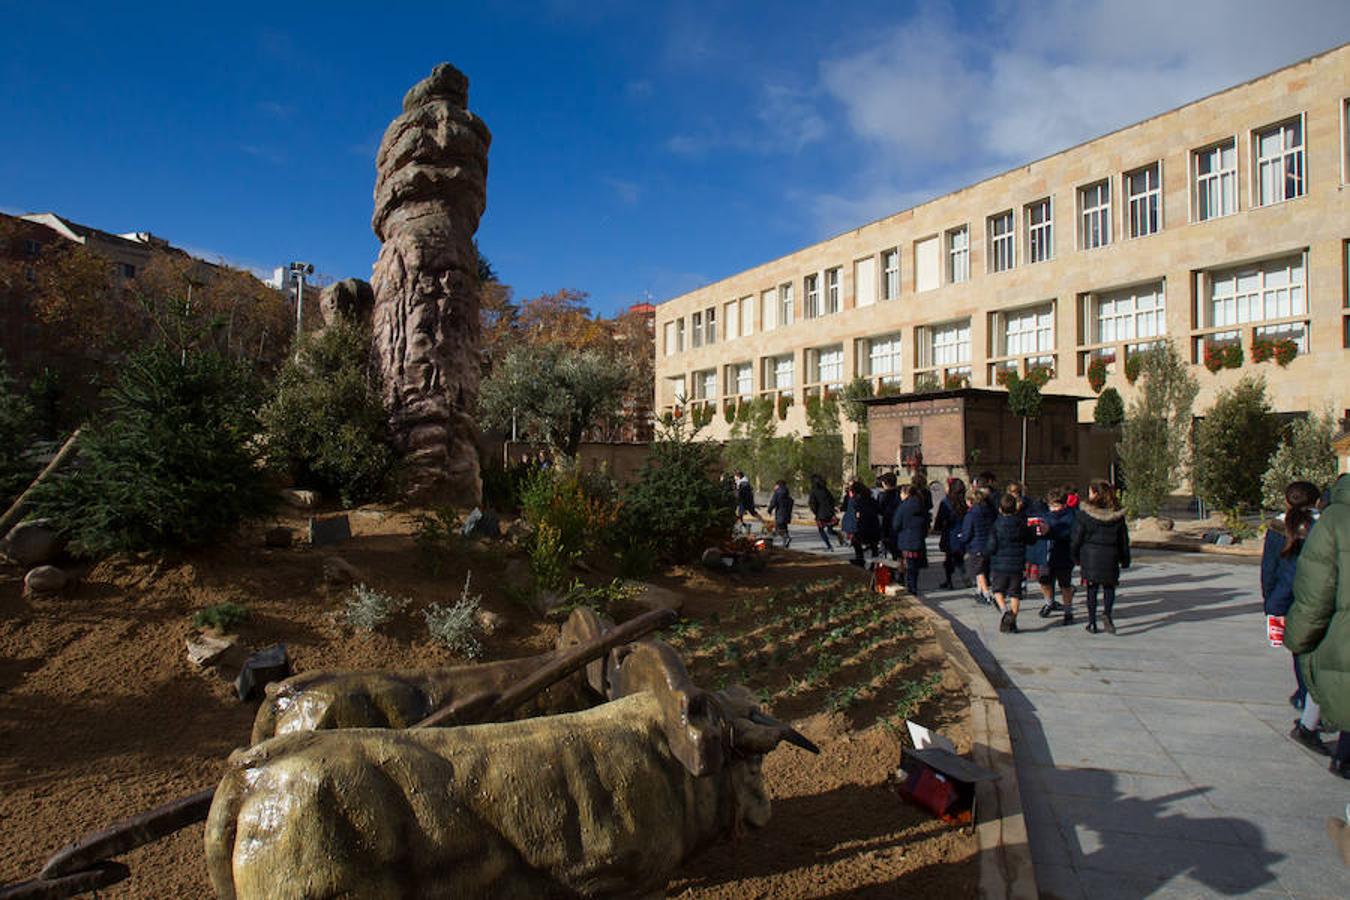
column 605, row 802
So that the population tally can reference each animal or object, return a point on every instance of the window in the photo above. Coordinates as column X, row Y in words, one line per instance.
column 1275, row 289
column 829, row 365
column 865, row 281
column 1279, row 162
column 911, row 442
column 785, row 304
column 747, row 316
column 811, row 293
column 710, row 317
column 1001, row 242
column 679, row 335
column 705, row 385
column 778, row 372
column 890, row 264
column 947, row 344
column 1027, row 332
column 732, row 319
column 1143, row 196
column 739, row 379
column 927, row 264
column 1345, row 141
column 768, row 308
column 883, row 357
column 696, row 326
column 1216, row 181
column 832, row 291
column 1094, row 204
column 958, row 255
column 1040, row 231
column 675, row 386
column 31, row 248
column 1130, row 314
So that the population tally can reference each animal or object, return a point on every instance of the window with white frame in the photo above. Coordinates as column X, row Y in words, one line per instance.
column 1274, row 289
column 740, row 379
column 829, row 365
column 785, row 303
column 1345, row 143
column 679, row 335
column 669, row 332
column 883, row 357
column 927, row 264
column 747, row 305
column 958, row 255
column 696, row 329
column 732, row 320
column 1001, row 246
column 705, row 384
column 1040, row 231
column 778, row 372
column 1215, row 180
column 1027, row 332
column 710, row 319
column 946, row 344
column 890, row 266
column 675, row 391
column 1143, row 198
column 811, row 296
column 1279, row 162
column 1129, row 314
column 1094, row 219
column 865, row 281
column 768, row 309
column 832, row 291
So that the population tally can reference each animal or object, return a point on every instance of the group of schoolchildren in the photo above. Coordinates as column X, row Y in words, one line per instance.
column 1006, row 539
column 1001, row 539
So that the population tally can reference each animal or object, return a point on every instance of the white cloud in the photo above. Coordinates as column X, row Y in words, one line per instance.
column 967, row 98
column 786, row 121
column 627, row 192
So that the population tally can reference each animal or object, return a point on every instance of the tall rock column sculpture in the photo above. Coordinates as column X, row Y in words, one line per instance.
column 430, row 191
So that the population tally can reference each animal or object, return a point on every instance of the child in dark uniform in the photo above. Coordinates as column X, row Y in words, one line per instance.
column 1007, row 553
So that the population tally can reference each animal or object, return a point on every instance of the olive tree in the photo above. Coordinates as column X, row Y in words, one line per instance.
column 1155, row 438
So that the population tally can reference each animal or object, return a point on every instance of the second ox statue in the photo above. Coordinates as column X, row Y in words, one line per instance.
column 605, row 802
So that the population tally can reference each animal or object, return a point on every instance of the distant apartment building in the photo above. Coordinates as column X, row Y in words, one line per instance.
column 1224, row 223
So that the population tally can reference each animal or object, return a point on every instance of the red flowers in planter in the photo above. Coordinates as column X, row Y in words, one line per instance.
column 1096, row 372
column 1282, row 350
column 1223, row 356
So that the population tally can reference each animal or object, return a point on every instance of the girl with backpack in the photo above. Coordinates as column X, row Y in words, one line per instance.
column 951, row 512
column 1100, row 544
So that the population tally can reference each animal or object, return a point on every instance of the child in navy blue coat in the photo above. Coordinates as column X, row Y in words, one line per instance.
column 1007, row 552
column 780, row 507
column 1059, row 557
column 1279, row 560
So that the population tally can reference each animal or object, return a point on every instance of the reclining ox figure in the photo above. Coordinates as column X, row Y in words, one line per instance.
column 590, row 804
column 326, row 698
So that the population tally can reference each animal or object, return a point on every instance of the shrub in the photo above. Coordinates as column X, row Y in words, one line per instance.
column 222, row 617
column 1110, row 409
column 170, row 466
column 456, row 627
column 602, row 598
column 1157, row 427
column 1305, row 454
column 368, row 609
column 1233, row 445
column 16, row 433
column 326, row 424
column 926, row 383
column 550, row 557
column 677, row 507
column 576, row 505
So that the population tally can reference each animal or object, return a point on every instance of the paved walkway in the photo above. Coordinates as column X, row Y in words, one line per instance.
column 1156, row 762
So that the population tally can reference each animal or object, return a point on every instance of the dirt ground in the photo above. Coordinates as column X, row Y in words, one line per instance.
column 102, row 716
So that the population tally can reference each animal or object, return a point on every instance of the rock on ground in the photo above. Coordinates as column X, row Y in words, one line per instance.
column 33, row 543
column 46, row 580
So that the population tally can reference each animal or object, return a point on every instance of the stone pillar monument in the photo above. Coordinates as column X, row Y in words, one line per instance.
column 430, row 191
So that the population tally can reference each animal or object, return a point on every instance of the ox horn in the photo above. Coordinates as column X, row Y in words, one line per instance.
column 790, row 734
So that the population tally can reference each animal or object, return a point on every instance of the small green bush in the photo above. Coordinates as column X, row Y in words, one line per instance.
column 576, row 506
column 550, row 558
column 170, row 465
column 1110, row 409
column 326, row 424
column 456, row 627
column 368, row 609
column 221, row 616
column 1233, row 444
column 16, row 433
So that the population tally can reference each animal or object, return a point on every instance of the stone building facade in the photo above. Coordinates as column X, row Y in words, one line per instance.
column 1222, row 224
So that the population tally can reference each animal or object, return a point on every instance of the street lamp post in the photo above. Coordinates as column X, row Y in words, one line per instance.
column 298, row 272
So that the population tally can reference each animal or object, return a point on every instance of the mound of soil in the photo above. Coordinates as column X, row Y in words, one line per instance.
column 102, row 716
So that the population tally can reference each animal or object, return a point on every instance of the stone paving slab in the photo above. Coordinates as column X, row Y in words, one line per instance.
column 1155, row 762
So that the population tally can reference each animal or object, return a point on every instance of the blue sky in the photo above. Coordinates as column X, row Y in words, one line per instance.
column 637, row 148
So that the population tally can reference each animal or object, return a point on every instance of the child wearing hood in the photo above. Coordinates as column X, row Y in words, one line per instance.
column 1101, row 545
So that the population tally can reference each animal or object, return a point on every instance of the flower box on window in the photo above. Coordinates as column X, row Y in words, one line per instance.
column 1282, row 350
column 956, row 382
column 784, row 404
column 1097, row 370
column 1227, row 355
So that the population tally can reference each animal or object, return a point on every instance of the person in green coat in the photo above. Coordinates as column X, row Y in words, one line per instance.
column 1317, row 627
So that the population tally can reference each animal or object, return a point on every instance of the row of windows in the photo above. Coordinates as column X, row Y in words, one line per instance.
column 1277, row 166
column 1273, row 291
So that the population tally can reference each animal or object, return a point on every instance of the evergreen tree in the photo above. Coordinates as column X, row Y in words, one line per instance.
column 1155, row 438
column 1305, row 454
column 1110, row 409
column 1233, row 445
